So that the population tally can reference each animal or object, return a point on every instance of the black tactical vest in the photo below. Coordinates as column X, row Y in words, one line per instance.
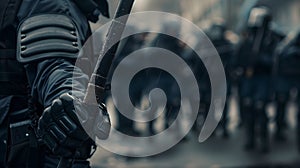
column 13, row 79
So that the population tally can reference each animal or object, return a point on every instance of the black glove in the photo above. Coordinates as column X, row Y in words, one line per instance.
column 62, row 126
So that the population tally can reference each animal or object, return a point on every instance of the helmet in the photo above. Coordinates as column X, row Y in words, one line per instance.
column 259, row 17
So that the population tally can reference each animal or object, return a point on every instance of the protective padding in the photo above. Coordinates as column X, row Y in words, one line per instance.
column 47, row 36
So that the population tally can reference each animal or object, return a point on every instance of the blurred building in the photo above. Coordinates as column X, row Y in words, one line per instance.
column 234, row 12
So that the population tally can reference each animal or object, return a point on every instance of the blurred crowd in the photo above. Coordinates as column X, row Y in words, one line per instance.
column 263, row 66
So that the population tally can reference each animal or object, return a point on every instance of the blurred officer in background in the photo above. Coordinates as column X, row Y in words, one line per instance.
column 201, row 74
column 161, row 79
column 295, row 51
column 287, row 77
column 127, row 46
column 286, row 72
column 255, row 59
column 39, row 44
column 225, row 48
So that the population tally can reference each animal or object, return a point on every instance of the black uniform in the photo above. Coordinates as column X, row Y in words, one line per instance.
column 285, row 70
column 39, row 44
column 161, row 79
column 255, row 58
column 127, row 46
column 204, row 85
column 287, row 78
column 225, row 49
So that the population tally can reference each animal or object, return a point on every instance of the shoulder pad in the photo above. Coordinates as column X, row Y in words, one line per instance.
column 47, row 36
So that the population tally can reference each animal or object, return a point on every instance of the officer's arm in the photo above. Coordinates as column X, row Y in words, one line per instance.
column 58, row 76
column 49, row 46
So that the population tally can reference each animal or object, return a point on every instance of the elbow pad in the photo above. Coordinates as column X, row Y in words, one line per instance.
column 47, row 36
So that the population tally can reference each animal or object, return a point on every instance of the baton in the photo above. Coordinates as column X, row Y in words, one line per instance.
column 97, row 83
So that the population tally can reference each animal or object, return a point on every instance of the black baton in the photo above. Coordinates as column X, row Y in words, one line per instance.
column 97, row 83
column 98, row 79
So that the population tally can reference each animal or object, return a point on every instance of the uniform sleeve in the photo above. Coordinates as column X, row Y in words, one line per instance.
column 49, row 78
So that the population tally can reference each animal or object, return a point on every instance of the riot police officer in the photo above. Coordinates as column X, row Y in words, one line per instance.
column 287, row 78
column 295, row 51
column 205, row 93
column 225, row 49
column 161, row 79
column 39, row 44
column 255, row 58
column 127, row 46
column 285, row 73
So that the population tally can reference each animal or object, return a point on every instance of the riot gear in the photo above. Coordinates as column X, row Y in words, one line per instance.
column 37, row 59
column 62, row 132
column 259, row 17
column 47, row 36
column 255, row 57
column 286, row 71
column 225, row 49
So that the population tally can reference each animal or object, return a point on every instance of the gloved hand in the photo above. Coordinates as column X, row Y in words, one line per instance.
column 63, row 126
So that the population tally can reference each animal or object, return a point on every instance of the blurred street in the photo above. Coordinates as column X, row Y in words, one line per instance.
column 155, row 84
column 215, row 152
column 258, row 42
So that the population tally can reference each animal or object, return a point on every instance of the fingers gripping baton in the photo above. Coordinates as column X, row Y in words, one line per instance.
column 97, row 83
